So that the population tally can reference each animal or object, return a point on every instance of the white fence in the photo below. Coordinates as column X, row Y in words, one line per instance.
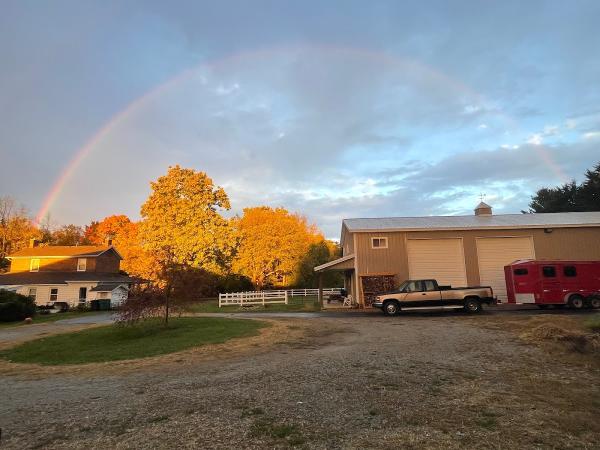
column 269, row 297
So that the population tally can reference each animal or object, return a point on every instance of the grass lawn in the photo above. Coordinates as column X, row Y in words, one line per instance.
column 48, row 318
column 301, row 304
column 114, row 343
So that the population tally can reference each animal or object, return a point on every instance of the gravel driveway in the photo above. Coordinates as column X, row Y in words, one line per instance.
column 433, row 381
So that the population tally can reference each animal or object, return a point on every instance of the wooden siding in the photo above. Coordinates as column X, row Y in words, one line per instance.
column 348, row 247
column 66, row 292
column 108, row 263
column 581, row 243
column 46, row 264
column 381, row 261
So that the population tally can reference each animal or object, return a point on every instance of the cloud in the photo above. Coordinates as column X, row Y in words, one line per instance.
column 536, row 139
column 377, row 111
column 591, row 135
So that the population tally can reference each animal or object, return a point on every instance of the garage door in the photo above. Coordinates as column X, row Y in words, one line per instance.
column 495, row 253
column 441, row 259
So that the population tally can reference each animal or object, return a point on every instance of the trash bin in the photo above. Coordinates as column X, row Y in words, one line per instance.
column 104, row 305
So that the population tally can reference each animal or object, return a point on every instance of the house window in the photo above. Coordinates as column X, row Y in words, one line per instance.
column 570, row 271
column 81, row 264
column 379, row 242
column 82, row 294
column 32, row 293
column 549, row 271
column 34, row 265
column 521, row 272
column 53, row 294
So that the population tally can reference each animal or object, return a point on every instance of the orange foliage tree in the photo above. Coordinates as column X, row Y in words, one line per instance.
column 184, row 231
column 16, row 229
column 126, row 239
column 272, row 244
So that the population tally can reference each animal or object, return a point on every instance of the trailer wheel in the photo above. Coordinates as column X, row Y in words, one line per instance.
column 472, row 305
column 595, row 302
column 576, row 301
column 391, row 308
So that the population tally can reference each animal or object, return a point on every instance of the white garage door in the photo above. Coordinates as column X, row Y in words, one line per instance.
column 495, row 253
column 441, row 259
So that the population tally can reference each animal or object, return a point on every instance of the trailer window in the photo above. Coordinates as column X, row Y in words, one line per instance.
column 570, row 271
column 521, row 272
column 549, row 271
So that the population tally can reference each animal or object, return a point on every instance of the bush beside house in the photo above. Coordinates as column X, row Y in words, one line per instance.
column 14, row 307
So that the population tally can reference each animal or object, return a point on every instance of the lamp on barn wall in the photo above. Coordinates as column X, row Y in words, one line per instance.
column 548, row 230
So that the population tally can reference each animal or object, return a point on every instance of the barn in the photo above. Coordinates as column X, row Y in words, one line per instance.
column 379, row 253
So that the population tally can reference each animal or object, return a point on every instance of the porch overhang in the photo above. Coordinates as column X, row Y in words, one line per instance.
column 343, row 263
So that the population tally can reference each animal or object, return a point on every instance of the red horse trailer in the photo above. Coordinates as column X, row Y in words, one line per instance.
column 543, row 283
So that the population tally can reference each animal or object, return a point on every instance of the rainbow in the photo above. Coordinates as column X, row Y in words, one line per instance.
column 137, row 104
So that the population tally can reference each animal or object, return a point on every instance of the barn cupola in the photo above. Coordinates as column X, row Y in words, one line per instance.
column 483, row 209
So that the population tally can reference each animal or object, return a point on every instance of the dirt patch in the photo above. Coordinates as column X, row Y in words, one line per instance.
column 573, row 340
column 563, row 336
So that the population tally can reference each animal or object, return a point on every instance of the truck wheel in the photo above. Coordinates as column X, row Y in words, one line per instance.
column 595, row 302
column 391, row 308
column 472, row 305
column 576, row 301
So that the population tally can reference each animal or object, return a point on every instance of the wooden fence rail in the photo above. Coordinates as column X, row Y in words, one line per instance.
column 269, row 297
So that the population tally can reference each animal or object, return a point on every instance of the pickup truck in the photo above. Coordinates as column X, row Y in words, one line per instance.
column 421, row 294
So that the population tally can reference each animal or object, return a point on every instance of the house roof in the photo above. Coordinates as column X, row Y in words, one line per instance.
column 106, row 287
column 24, row 278
column 58, row 251
column 499, row 221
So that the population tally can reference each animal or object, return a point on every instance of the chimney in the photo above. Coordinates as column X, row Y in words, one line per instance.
column 33, row 243
column 483, row 209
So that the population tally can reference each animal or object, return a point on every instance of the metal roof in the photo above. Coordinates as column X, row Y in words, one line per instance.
column 335, row 262
column 548, row 220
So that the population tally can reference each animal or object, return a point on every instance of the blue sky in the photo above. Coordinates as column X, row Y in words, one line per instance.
column 332, row 109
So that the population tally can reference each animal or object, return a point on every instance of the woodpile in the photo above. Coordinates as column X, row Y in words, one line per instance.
column 374, row 285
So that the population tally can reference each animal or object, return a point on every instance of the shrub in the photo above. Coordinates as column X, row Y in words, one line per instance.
column 15, row 306
column 233, row 283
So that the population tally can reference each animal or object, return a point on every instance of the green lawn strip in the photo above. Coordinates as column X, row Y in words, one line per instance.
column 45, row 318
column 299, row 304
column 115, row 343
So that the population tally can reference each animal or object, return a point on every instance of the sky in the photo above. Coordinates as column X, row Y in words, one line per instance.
column 332, row 109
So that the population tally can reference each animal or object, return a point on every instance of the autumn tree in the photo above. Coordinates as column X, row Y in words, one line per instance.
column 273, row 242
column 16, row 229
column 182, row 226
column 67, row 235
column 125, row 237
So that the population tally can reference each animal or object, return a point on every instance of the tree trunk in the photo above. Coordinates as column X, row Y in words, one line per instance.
column 167, row 300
